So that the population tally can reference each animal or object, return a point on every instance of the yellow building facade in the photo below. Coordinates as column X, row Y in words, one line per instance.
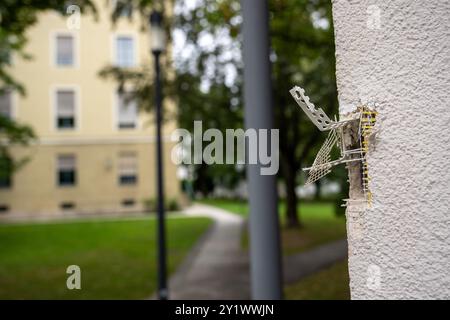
column 95, row 151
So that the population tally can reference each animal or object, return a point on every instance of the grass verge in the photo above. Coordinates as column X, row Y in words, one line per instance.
column 320, row 224
column 328, row 284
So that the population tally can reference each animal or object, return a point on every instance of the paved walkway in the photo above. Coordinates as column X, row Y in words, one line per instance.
column 217, row 268
column 298, row 266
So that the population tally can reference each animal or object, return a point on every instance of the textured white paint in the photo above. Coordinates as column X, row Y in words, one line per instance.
column 400, row 248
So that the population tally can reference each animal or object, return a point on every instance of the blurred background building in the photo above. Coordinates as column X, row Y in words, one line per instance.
column 94, row 150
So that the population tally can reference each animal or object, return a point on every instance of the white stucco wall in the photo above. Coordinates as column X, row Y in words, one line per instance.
column 400, row 248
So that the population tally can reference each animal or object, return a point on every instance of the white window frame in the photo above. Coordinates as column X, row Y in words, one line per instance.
column 54, row 108
column 134, row 37
column 76, row 52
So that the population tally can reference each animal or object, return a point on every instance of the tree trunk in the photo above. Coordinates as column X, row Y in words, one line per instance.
column 289, row 174
column 203, row 182
column 318, row 193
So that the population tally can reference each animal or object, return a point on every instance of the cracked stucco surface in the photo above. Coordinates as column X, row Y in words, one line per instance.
column 399, row 248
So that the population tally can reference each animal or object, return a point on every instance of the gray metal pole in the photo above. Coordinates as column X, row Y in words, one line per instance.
column 157, row 49
column 162, row 256
column 265, row 257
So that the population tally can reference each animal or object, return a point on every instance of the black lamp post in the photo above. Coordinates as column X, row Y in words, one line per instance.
column 157, row 46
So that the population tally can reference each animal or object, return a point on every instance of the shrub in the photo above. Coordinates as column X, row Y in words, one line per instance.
column 172, row 205
column 151, row 205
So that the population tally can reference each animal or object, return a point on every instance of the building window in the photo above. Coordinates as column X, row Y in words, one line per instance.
column 5, row 56
column 4, row 208
column 66, row 170
column 127, row 168
column 128, row 203
column 65, row 50
column 67, row 206
column 6, row 104
column 127, row 111
column 125, row 52
column 65, row 109
column 123, row 8
column 5, row 180
column 6, row 168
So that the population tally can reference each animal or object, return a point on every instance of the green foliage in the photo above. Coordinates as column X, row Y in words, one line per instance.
column 172, row 205
column 204, row 87
column 139, row 79
column 218, row 107
column 12, row 133
column 151, row 205
column 15, row 18
column 302, row 52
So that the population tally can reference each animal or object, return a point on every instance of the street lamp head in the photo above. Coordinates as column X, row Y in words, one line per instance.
column 157, row 36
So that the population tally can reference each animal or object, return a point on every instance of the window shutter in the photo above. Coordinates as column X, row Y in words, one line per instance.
column 127, row 164
column 127, row 110
column 66, row 162
column 5, row 104
column 64, row 50
column 65, row 104
column 125, row 52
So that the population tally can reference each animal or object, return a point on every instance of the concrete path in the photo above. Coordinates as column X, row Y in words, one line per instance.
column 298, row 266
column 217, row 268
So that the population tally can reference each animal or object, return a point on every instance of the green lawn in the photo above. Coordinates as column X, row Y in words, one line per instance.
column 320, row 224
column 236, row 206
column 117, row 258
column 329, row 284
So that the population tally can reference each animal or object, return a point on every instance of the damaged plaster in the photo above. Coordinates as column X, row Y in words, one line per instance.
column 396, row 55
